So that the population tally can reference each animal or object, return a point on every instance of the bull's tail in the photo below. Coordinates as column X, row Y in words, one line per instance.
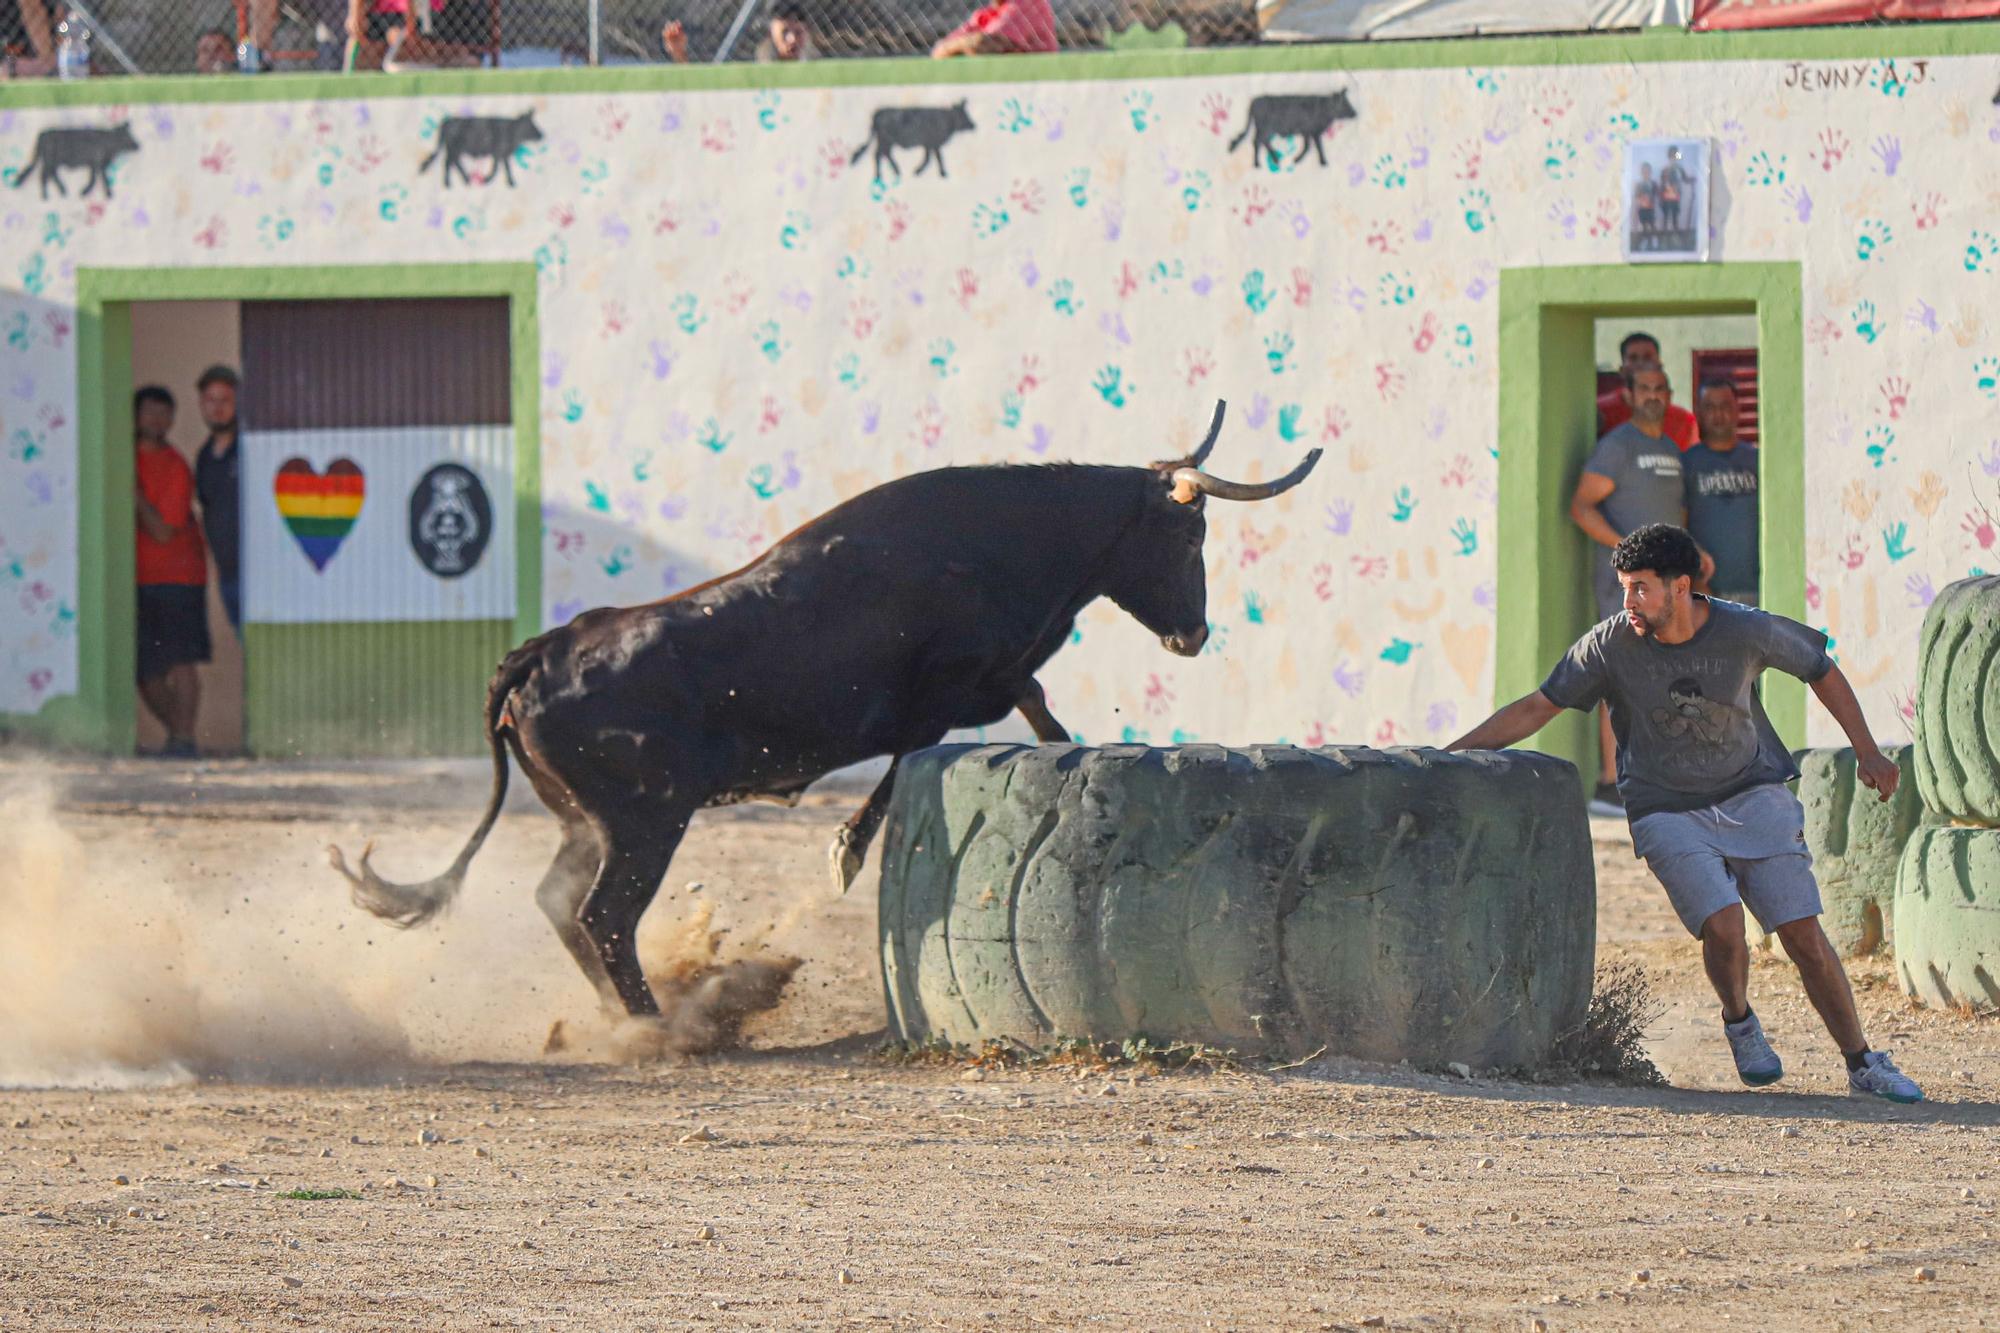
column 21, row 176
column 862, row 151
column 425, row 165
column 407, row 905
column 1249, row 124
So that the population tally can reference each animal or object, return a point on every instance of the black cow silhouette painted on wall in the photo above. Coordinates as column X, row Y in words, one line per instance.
column 1283, row 115
column 94, row 150
column 497, row 137
column 925, row 127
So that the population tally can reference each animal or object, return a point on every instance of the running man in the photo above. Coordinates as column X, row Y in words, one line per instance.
column 1703, row 776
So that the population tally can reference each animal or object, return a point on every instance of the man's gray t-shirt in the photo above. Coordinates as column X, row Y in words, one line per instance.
column 1647, row 487
column 1690, row 729
column 1722, row 512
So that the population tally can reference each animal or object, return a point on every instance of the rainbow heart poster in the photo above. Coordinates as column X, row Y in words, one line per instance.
column 319, row 509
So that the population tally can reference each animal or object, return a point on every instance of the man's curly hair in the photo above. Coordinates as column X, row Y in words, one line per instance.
column 1661, row 547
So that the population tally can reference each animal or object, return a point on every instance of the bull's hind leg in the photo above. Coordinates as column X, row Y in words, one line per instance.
column 561, row 896
column 639, row 844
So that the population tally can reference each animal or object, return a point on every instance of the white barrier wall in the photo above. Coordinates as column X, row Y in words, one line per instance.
column 741, row 326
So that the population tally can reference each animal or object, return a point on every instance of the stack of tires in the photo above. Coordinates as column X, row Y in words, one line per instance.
column 1857, row 842
column 1947, row 913
column 1382, row 904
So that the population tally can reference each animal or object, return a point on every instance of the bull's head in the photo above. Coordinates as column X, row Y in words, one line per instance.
column 1156, row 574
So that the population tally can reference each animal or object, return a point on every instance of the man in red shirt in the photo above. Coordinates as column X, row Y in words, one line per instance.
column 173, row 574
column 1641, row 351
column 1010, row 27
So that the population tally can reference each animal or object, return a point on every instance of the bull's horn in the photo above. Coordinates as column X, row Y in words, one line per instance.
column 1200, row 456
column 1192, row 481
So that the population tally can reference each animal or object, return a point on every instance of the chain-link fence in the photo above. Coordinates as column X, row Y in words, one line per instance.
column 205, row 36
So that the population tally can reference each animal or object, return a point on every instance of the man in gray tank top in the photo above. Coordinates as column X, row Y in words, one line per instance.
column 1703, row 777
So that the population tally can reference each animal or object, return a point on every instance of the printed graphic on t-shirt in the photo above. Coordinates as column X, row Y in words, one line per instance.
column 1692, row 717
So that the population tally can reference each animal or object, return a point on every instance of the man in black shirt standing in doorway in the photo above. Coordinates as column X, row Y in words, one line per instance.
column 218, row 485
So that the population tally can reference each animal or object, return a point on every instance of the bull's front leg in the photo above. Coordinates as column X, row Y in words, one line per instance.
column 850, row 845
column 1034, row 706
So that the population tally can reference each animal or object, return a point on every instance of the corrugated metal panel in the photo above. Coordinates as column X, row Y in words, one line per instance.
column 355, row 646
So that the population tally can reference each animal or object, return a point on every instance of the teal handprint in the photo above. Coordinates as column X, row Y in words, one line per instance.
column 1194, row 190
column 642, row 466
column 767, row 109
column 1864, row 322
column 942, row 350
column 1986, row 375
column 1079, row 187
column 1764, row 170
column 1559, row 159
column 1288, row 421
column 17, row 331
column 1895, row 540
column 1277, row 351
column 35, row 274
column 848, row 369
column 1880, row 441
column 687, row 312
column 1399, row 651
column 1624, row 125
column 1406, row 504
column 1139, row 106
column 617, row 562
column 1011, row 403
column 572, row 407
column 596, row 497
column 1478, row 207
column 1253, row 608
column 769, row 341
column 1062, row 295
column 1015, row 116
column 712, row 438
column 990, row 219
column 1981, row 252
column 1466, row 533
column 763, row 481
column 1111, row 386
column 1254, row 293
column 1395, row 289
column 797, row 227
column 1458, row 351
column 1874, row 235
column 1387, row 172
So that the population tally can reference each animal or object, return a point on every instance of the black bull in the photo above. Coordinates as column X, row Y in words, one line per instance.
column 923, row 605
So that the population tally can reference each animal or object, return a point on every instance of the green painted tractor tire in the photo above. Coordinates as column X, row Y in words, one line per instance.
column 1958, row 703
column 1856, row 840
column 1381, row 904
column 1948, row 917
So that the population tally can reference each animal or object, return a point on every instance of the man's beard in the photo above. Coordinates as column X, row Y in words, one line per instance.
column 1650, row 414
column 1646, row 625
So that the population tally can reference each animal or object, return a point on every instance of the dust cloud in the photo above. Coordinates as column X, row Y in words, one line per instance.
column 147, row 950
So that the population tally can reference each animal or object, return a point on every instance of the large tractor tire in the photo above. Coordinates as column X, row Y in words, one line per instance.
column 1948, row 917
column 1381, row 904
column 1958, row 703
column 1856, row 840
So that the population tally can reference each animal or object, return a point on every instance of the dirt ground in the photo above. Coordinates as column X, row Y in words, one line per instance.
column 195, row 1023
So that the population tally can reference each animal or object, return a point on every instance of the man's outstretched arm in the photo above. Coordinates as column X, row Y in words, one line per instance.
column 1516, row 722
column 1875, row 769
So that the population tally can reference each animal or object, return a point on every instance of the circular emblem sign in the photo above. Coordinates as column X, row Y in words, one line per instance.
column 451, row 520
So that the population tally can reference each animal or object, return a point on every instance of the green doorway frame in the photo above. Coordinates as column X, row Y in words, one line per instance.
column 102, row 714
column 1548, row 422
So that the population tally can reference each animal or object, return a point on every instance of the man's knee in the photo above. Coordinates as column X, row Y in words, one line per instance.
column 1804, row 940
column 1724, row 927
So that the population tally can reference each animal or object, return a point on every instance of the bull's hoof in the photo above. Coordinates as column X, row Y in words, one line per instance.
column 846, row 865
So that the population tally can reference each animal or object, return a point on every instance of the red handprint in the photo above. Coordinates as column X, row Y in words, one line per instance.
column 1895, row 393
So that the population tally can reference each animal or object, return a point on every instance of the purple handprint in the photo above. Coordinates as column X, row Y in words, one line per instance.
column 1442, row 715
column 1259, row 413
column 1423, row 230
column 871, row 417
column 1356, row 174
column 1114, row 221
column 663, row 360
column 1922, row 594
column 1990, row 464
column 1799, row 200
column 1114, row 325
column 1349, row 678
column 1922, row 316
column 1030, row 275
column 674, row 508
column 1482, row 597
column 552, row 370
column 1340, row 517
column 613, row 229
column 1889, row 152
column 39, row 488
column 563, row 612
column 1202, row 285
column 1040, row 439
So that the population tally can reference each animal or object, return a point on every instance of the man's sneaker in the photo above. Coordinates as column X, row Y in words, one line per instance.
column 1756, row 1063
column 1879, row 1077
column 1607, row 803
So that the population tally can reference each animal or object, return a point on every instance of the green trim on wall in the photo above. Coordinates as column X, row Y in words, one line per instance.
column 374, row 689
column 102, row 714
column 1548, row 392
column 1650, row 47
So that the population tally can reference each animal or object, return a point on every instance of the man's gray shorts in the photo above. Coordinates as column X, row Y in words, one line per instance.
column 1749, row 849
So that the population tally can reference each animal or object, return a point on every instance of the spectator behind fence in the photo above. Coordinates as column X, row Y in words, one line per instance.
column 215, row 53
column 1614, row 408
column 1722, row 496
column 1011, row 27
column 27, row 40
column 790, row 36
column 172, row 602
column 384, row 33
column 218, row 484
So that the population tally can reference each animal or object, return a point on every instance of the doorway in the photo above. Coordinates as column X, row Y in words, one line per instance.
column 1549, row 318
column 394, row 660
